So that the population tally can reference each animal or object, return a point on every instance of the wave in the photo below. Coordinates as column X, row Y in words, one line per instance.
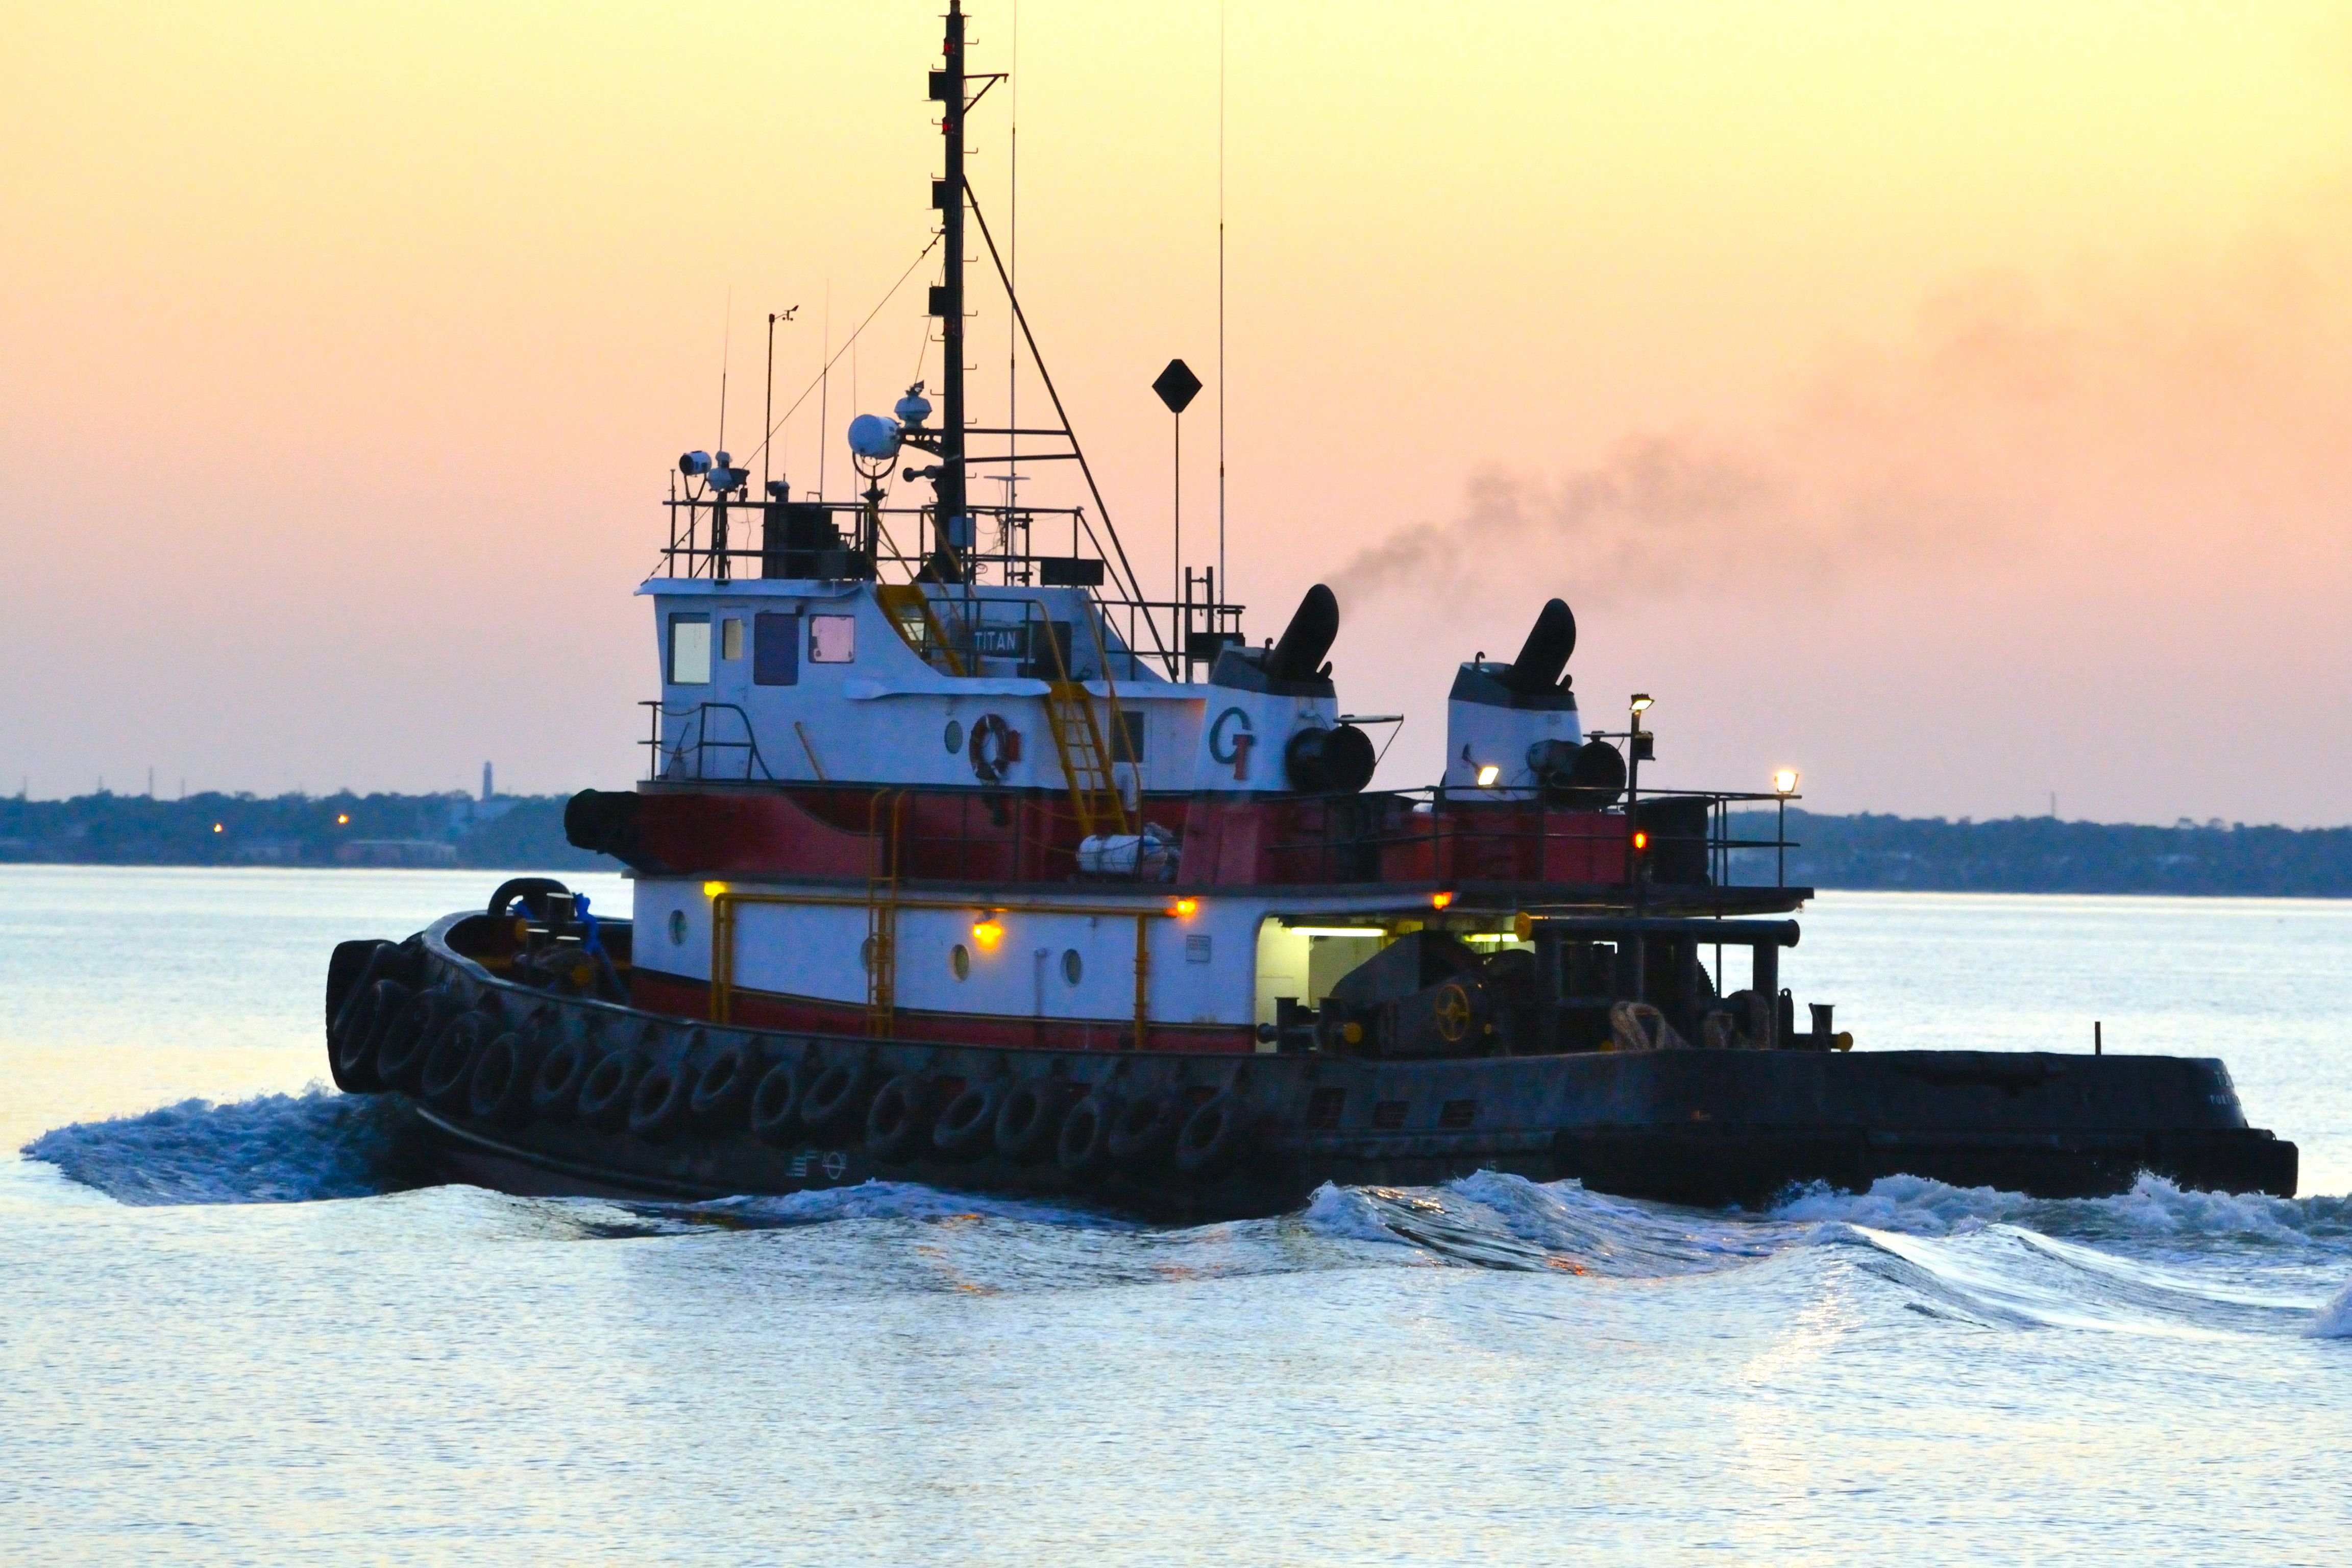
column 278, row 1148
column 2154, row 1260
column 2155, row 1210
column 2333, row 1320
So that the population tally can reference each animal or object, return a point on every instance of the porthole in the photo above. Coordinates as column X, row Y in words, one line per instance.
column 959, row 960
column 678, row 928
column 1074, row 968
column 953, row 737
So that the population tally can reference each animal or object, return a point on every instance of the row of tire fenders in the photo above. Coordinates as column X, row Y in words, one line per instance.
column 388, row 1035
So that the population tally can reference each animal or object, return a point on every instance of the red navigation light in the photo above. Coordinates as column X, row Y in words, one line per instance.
column 1641, row 840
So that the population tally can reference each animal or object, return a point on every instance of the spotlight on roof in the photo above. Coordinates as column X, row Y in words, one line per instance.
column 694, row 464
column 1784, row 781
column 875, row 437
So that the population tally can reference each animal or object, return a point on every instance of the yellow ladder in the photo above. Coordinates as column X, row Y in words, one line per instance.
column 909, row 609
column 1086, row 762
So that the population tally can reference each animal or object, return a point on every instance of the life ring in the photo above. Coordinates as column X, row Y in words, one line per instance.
column 993, row 747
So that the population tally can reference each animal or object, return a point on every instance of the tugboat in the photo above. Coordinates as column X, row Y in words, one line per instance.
column 965, row 863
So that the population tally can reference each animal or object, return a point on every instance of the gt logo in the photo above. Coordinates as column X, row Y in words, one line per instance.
column 1229, row 740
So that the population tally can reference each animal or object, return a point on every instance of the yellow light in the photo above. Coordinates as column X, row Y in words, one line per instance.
column 1641, row 702
column 1439, row 900
column 342, row 818
column 1641, row 841
column 988, row 933
column 216, row 828
column 1784, row 781
column 1187, row 907
column 1487, row 775
column 712, row 890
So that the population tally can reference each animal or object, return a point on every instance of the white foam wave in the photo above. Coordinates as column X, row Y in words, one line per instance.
column 1499, row 1221
column 2154, row 1209
column 2333, row 1320
column 278, row 1148
column 880, row 1200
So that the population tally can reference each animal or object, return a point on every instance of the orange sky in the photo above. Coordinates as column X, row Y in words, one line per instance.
column 1952, row 401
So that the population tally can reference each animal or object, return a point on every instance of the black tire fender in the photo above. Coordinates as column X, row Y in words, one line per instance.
column 555, row 1085
column 1029, row 1119
column 364, row 1016
column 776, row 1106
column 449, row 1065
column 610, row 1085
column 504, row 1077
column 657, row 1108
column 1144, row 1131
column 722, row 1089
column 1215, row 1136
column 899, row 1123
column 967, row 1129
column 408, row 1038
column 1082, row 1147
column 834, row 1108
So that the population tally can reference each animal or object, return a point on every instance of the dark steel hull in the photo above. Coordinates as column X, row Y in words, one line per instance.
column 1701, row 1127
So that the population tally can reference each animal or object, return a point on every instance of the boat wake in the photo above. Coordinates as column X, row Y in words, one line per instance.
column 278, row 1148
column 2154, row 1260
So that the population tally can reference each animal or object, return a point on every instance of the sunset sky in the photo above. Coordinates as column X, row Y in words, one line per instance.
column 1952, row 401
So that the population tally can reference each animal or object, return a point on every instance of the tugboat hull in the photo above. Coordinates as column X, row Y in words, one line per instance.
column 1196, row 1136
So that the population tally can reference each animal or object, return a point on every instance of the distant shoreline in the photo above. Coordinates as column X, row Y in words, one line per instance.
column 1864, row 853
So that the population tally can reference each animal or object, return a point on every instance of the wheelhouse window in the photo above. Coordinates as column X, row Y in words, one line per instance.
column 833, row 639
column 689, row 650
column 776, row 648
column 730, row 637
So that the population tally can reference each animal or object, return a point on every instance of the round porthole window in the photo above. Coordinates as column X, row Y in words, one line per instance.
column 954, row 737
column 1073, row 967
column 959, row 961
column 678, row 928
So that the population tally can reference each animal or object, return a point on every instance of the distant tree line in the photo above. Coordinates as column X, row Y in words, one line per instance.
column 2044, row 855
column 2018, row 855
column 210, row 830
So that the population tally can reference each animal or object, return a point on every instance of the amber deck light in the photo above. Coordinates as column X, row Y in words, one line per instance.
column 1187, row 907
column 1439, row 900
column 988, row 933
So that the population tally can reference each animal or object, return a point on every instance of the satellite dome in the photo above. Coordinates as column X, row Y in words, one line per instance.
column 871, row 436
column 914, row 409
column 723, row 459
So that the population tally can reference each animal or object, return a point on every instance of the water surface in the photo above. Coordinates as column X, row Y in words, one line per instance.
column 224, row 1336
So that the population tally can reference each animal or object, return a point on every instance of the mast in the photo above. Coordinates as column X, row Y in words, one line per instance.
column 947, row 301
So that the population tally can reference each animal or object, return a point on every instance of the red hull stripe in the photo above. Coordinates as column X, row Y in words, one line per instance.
column 681, row 997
